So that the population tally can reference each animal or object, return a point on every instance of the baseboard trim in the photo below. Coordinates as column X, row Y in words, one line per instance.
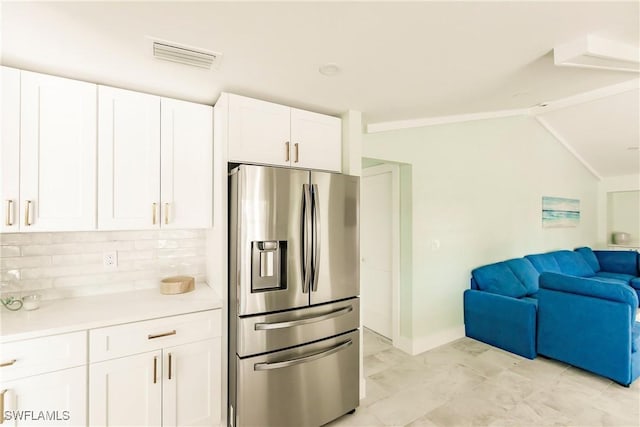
column 421, row 344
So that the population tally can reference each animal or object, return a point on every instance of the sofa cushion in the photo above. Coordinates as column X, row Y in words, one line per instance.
column 626, row 278
column 635, row 283
column 544, row 263
column 635, row 337
column 625, row 262
column 532, row 299
column 589, row 257
column 603, row 279
column 499, row 279
column 526, row 273
column 573, row 264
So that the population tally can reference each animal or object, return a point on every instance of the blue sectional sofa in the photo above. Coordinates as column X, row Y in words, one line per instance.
column 575, row 306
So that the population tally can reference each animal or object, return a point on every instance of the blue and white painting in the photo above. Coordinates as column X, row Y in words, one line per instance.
column 560, row 212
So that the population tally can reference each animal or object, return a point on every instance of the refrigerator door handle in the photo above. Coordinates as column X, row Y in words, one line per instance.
column 303, row 321
column 267, row 366
column 316, row 237
column 306, row 238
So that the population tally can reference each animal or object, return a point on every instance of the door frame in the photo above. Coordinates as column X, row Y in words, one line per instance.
column 394, row 169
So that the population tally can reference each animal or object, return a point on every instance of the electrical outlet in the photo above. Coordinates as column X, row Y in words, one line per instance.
column 110, row 260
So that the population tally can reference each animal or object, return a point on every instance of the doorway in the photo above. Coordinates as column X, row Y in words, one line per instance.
column 380, row 249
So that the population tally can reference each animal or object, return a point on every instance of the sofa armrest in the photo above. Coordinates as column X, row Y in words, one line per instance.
column 590, row 287
column 586, row 331
column 505, row 322
column 624, row 262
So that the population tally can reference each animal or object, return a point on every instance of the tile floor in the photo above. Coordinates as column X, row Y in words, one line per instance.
column 469, row 383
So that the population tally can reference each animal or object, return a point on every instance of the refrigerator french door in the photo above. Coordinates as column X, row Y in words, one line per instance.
column 293, row 287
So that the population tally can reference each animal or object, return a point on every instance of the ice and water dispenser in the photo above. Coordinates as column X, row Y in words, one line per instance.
column 268, row 265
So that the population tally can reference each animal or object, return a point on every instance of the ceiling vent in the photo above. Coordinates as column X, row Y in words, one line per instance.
column 194, row 57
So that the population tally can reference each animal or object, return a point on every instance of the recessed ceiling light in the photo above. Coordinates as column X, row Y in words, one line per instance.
column 329, row 69
column 633, row 148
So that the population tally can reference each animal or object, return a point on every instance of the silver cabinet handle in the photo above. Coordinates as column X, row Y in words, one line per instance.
column 164, row 334
column 306, row 238
column 287, row 151
column 154, row 209
column 304, row 359
column 2, row 405
column 27, row 213
column 297, row 152
column 304, row 320
column 9, row 217
column 166, row 213
column 315, row 266
column 9, row 363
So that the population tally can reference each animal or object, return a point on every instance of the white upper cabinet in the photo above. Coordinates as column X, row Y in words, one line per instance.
column 316, row 140
column 57, row 154
column 259, row 131
column 128, row 160
column 267, row 133
column 186, row 167
column 9, row 148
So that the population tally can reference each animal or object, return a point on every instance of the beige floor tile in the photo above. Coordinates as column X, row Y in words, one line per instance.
column 361, row 418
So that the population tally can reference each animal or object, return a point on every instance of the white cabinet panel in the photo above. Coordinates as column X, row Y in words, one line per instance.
column 60, row 396
column 187, row 161
column 57, row 153
column 258, row 131
column 319, row 140
column 129, row 160
column 126, row 391
column 9, row 148
column 191, row 392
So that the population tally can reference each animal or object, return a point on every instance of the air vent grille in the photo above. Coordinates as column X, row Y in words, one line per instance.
column 192, row 57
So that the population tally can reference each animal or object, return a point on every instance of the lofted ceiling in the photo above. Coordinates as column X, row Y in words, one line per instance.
column 398, row 61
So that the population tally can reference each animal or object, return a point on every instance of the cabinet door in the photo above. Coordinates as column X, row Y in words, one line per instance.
column 126, row 391
column 186, row 141
column 258, row 131
column 192, row 390
column 128, row 160
column 319, row 140
column 55, row 399
column 57, row 154
column 9, row 148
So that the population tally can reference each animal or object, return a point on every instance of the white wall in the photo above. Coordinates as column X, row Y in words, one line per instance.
column 63, row 265
column 606, row 186
column 477, row 189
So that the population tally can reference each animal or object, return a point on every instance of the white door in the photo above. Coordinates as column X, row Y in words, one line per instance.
column 57, row 154
column 9, row 148
column 126, row 391
column 63, row 394
column 377, row 247
column 192, row 393
column 128, row 160
column 259, row 131
column 316, row 141
column 187, row 159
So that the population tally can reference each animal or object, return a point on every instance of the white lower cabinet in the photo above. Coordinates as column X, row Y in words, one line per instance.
column 191, row 384
column 126, row 391
column 178, row 383
column 54, row 399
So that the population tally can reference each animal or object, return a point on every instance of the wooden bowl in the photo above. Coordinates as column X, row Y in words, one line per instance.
column 177, row 285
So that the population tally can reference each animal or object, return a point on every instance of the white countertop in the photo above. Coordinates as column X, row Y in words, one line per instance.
column 75, row 314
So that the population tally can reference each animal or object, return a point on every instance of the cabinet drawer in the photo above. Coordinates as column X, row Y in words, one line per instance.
column 132, row 338
column 39, row 355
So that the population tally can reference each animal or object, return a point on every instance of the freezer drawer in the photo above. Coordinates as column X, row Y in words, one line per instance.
column 308, row 385
column 264, row 333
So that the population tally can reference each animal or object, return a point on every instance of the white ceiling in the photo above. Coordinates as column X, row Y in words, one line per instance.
column 398, row 60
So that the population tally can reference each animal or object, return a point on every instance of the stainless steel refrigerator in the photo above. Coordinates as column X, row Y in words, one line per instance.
column 293, row 296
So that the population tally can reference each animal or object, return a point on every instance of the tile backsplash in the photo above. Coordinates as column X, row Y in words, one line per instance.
column 62, row 265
